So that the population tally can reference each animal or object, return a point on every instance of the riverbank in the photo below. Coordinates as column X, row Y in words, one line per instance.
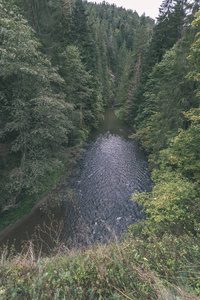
column 19, row 223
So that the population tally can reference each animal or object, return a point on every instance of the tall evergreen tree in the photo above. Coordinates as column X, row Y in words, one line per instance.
column 83, row 36
column 169, row 28
column 52, row 21
column 172, row 24
column 168, row 94
column 38, row 118
column 79, row 89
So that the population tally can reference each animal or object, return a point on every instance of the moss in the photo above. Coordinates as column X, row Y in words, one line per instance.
column 21, row 210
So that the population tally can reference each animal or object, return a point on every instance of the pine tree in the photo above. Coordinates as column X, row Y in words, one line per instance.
column 79, row 88
column 172, row 25
column 83, row 36
column 168, row 94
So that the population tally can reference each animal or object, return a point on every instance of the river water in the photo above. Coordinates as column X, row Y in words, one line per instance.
column 111, row 169
column 97, row 198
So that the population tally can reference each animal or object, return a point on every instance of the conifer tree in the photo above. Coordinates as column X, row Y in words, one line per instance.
column 172, row 24
column 38, row 118
column 83, row 36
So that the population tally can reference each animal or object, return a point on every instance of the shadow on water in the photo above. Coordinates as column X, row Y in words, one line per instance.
column 111, row 169
column 111, row 124
column 39, row 222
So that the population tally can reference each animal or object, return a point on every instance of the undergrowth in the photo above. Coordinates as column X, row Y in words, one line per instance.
column 142, row 266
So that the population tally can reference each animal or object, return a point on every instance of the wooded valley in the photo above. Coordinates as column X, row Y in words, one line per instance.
column 62, row 64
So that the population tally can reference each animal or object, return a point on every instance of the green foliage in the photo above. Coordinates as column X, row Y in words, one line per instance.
column 172, row 26
column 168, row 94
column 137, row 268
column 131, row 70
column 182, row 154
column 172, row 205
column 79, row 89
column 170, row 23
column 43, row 16
column 119, row 33
column 15, row 213
column 194, row 56
column 83, row 36
column 175, row 258
column 37, row 123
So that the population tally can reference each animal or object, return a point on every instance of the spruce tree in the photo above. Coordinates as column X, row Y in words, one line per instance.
column 37, row 122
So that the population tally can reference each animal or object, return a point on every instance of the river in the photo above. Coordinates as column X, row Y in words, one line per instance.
column 111, row 169
column 97, row 202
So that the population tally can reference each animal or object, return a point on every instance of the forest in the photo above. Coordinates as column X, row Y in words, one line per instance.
column 62, row 64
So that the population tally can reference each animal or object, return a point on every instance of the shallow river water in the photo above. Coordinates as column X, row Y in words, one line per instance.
column 111, row 169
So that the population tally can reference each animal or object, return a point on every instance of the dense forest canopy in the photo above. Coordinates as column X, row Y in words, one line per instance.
column 60, row 64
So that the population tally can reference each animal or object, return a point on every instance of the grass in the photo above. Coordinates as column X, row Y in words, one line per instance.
column 22, row 209
column 139, row 267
